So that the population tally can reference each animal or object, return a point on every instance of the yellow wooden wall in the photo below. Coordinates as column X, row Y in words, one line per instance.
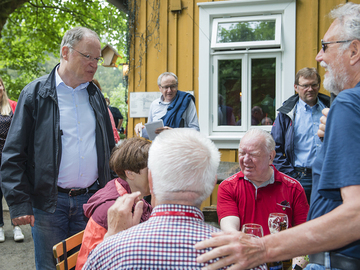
column 174, row 45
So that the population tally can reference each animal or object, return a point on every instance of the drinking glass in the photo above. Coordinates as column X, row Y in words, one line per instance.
column 278, row 222
column 254, row 230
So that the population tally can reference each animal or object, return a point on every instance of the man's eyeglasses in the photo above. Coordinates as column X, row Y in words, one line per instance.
column 99, row 60
column 324, row 44
column 314, row 86
column 173, row 87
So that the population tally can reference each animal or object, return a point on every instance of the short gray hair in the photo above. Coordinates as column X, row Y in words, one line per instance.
column 349, row 17
column 166, row 74
column 75, row 35
column 258, row 132
column 183, row 161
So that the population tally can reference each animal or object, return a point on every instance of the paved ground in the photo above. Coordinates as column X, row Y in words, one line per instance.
column 16, row 255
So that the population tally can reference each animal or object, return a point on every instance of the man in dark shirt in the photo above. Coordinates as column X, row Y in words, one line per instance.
column 118, row 118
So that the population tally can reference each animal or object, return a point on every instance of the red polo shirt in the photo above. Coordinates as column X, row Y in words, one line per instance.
column 239, row 197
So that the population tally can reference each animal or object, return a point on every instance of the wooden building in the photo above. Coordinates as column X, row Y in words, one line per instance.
column 234, row 55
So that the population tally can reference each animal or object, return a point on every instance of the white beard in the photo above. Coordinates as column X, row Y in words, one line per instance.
column 335, row 81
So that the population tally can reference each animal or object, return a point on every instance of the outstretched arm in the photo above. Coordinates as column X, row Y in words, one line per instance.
column 320, row 234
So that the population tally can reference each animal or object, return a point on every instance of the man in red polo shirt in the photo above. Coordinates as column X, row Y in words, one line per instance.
column 250, row 195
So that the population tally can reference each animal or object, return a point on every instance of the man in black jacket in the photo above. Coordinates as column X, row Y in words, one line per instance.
column 295, row 128
column 58, row 147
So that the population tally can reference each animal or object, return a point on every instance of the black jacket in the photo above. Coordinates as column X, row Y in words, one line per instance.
column 32, row 151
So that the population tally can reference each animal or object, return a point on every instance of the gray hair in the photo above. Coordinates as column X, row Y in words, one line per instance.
column 183, row 164
column 166, row 74
column 257, row 132
column 74, row 36
column 349, row 17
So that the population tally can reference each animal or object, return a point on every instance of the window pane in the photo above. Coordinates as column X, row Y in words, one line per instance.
column 263, row 91
column 245, row 31
column 229, row 92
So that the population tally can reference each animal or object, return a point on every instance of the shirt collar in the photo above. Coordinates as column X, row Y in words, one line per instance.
column 268, row 182
column 178, row 208
column 304, row 105
column 162, row 100
column 59, row 81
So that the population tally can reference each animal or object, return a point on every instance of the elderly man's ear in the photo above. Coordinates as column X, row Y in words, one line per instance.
column 272, row 156
column 153, row 198
column 355, row 52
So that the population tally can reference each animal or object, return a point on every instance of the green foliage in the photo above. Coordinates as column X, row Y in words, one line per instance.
column 109, row 78
column 247, row 31
column 111, row 82
column 117, row 99
column 34, row 31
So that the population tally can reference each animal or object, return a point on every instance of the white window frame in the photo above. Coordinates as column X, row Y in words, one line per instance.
column 247, row 44
column 245, row 84
column 208, row 12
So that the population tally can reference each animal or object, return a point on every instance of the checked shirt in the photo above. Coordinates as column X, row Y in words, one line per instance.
column 165, row 241
column 162, row 242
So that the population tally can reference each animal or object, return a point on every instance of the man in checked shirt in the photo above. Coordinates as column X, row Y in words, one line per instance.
column 182, row 174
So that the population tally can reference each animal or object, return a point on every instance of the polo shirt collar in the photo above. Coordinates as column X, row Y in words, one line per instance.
column 270, row 181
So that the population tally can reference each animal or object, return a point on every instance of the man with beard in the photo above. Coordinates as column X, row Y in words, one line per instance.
column 332, row 234
column 295, row 128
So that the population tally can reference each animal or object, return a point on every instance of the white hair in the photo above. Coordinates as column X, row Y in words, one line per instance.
column 183, row 164
column 349, row 17
column 257, row 132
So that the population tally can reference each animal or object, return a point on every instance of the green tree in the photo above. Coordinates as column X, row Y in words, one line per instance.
column 117, row 99
column 34, row 31
column 247, row 31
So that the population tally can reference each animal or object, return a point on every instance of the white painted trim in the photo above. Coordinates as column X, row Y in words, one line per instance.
column 211, row 10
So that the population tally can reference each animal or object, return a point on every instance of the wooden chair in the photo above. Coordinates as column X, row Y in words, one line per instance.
column 62, row 249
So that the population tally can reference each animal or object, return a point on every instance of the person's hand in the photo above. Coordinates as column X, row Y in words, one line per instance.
column 237, row 248
column 120, row 216
column 23, row 220
column 321, row 131
column 138, row 129
column 159, row 130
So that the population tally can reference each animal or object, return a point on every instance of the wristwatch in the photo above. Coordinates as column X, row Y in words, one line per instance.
column 297, row 267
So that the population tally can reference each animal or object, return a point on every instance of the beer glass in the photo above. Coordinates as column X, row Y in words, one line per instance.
column 278, row 222
column 254, row 230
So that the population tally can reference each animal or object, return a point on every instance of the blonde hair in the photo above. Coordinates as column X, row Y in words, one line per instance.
column 5, row 108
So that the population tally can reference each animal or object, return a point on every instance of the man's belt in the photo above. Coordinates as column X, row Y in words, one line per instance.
column 303, row 169
column 337, row 260
column 78, row 191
